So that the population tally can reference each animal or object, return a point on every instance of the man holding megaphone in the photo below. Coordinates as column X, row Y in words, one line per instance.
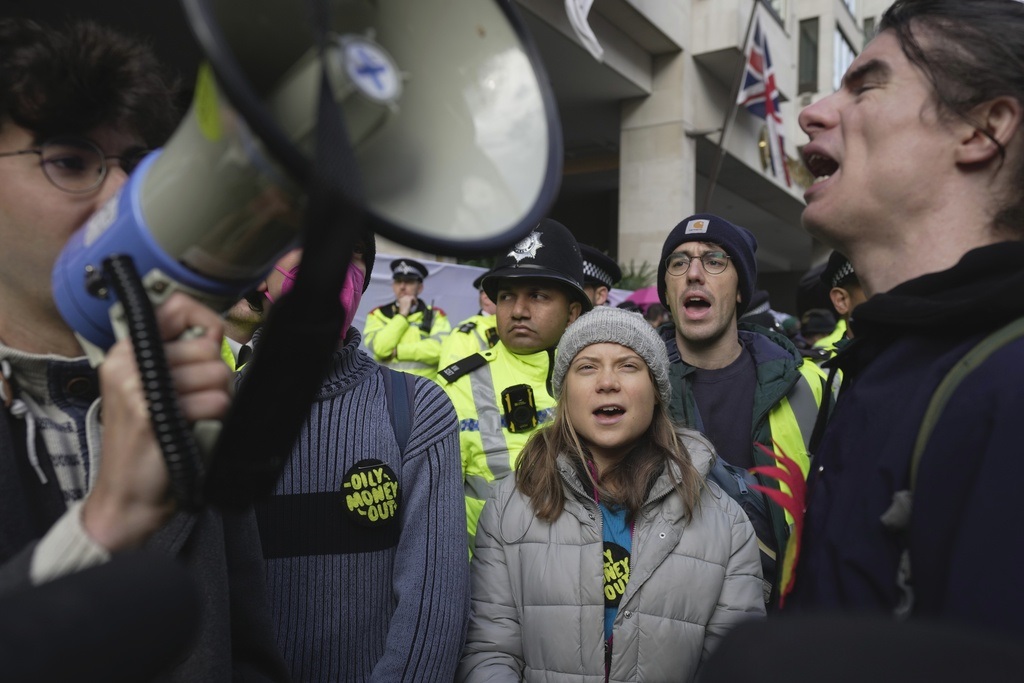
column 81, row 475
column 316, row 122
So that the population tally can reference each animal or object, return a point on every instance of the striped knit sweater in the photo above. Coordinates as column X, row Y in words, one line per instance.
column 366, row 549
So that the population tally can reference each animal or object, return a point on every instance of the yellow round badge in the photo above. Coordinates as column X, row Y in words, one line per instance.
column 371, row 493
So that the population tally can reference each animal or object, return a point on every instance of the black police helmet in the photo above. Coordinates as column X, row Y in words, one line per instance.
column 549, row 252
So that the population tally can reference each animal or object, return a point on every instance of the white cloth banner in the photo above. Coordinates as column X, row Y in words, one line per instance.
column 577, row 11
column 449, row 286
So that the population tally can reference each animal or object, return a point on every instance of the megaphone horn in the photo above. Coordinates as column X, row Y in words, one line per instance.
column 446, row 102
column 450, row 116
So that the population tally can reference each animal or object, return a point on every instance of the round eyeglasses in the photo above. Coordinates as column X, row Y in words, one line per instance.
column 714, row 262
column 77, row 165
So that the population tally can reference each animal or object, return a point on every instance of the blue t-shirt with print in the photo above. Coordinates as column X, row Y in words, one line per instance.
column 618, row 544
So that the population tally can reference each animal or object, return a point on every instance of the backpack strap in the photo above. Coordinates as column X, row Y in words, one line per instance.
column 965, row 366
column 399, row 390
column 897, row 516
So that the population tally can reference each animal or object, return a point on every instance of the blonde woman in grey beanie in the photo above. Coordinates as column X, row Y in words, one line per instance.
column 609, row 556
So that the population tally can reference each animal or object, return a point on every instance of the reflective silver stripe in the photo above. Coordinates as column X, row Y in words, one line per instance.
column 477, row 487
column 488, row 416
column 804, row 407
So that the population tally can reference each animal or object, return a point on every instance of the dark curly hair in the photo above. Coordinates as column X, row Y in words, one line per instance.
column 972, row 52
column 74, row 79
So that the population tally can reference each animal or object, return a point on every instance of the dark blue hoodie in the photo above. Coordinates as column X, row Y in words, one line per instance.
column 966, row 534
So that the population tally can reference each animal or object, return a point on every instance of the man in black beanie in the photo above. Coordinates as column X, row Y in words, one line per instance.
column 727, row 375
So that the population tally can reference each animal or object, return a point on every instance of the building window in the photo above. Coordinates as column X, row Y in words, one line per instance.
column 869, row 28
column 808, row 56
column 779, row 7
column 852, row 6
column 842, row 59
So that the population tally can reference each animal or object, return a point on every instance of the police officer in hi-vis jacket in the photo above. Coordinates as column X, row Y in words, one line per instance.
column 406, row 334
column 503, row 393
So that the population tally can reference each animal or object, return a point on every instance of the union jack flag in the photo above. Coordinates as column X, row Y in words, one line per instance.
column 761, row 98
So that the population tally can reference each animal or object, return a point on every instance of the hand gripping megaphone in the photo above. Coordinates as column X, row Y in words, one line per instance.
column 449, row 116
column 449, row 143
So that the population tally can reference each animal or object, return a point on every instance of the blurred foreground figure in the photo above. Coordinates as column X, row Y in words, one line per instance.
column 78, row 108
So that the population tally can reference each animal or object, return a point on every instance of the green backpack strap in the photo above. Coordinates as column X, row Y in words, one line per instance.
column 965, row 366
column 897, row 517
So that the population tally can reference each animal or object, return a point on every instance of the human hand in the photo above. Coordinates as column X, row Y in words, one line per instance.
column 405, row 303
column 131, row 497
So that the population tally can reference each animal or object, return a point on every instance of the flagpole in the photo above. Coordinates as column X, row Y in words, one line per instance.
column 716, row 165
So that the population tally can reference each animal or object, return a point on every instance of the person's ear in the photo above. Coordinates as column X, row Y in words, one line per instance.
column 993, row 123
column 840, row 300
column 575, row 309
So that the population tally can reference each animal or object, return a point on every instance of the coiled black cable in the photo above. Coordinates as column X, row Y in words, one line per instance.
column 173, row 434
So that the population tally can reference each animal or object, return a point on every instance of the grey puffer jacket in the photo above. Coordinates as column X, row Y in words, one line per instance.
column 538, row 600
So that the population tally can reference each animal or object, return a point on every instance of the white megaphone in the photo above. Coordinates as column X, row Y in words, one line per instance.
column 449, row 115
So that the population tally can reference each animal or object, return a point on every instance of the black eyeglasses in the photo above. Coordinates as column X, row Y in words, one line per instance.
column 77, row 165
column 714, row 262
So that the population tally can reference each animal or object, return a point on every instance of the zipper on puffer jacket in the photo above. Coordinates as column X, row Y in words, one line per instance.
column 594, row 513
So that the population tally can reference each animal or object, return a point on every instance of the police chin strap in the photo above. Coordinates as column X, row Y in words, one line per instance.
column 303, row 328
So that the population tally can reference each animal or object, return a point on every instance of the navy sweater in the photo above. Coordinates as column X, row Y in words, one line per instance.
column 366, row 548
column 967, row 519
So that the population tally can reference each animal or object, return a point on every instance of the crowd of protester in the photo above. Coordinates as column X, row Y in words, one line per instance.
column 554, row 489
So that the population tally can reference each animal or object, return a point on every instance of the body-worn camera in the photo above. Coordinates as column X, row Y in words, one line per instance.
column 520, row 408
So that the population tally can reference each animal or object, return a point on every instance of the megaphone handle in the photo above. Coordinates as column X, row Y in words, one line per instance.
column 173, row 435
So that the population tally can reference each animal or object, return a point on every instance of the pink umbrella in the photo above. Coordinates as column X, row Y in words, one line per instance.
column 644, row 297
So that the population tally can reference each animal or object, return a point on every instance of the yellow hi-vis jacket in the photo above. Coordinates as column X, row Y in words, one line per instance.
column 227, row 355
column 791, row 420
column 476, row 333
column 829, row 343
column 489, row 450
column 787, row 397
column 401, row 342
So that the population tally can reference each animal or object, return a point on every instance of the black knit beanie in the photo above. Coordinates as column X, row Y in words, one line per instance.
column 739, row 243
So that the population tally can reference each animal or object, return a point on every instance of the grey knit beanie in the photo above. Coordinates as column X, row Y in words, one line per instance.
column 618, row 326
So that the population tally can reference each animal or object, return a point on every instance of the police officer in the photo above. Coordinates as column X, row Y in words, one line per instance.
column 406, row 334
column 600, row 273
column 845, row 294
column 476, row 333
column 503, row 393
